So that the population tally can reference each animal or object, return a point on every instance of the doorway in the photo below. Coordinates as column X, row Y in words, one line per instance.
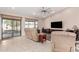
column 11, row 28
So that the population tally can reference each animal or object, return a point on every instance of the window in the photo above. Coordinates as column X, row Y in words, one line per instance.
column 31, row 24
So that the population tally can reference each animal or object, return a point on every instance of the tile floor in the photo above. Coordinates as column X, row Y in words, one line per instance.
column 22, row 44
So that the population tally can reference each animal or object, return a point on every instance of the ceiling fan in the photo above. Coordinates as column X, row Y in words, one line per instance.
column 44, row 11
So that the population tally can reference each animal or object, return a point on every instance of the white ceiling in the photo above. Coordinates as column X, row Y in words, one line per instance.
column 27, row 11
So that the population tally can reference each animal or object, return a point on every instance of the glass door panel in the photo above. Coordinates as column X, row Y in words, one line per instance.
column 16, row 28
column 7, row 28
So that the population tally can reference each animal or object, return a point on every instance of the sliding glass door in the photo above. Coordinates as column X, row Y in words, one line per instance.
column 11, row 28
column 7, row 28
column 16, row 28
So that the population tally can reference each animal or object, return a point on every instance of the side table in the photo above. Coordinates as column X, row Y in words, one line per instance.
column 42, row 37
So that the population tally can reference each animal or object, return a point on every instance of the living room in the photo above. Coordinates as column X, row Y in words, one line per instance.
column 40, row 18
column 35, row 29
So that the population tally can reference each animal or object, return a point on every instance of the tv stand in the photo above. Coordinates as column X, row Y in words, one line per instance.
column 50, row 30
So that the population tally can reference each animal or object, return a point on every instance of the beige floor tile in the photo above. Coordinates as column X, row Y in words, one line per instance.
column 22, row 44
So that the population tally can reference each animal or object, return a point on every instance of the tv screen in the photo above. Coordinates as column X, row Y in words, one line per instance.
column 57, row 24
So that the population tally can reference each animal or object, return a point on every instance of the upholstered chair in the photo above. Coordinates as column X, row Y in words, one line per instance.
column 34, row 34
column 63, row 41
column 27, row 33
column 31, row 33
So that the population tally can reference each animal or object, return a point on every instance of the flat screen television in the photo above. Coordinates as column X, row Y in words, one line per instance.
column 57, row 24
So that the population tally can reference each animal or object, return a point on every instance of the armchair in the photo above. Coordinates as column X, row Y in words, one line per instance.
column 31, row 34
column 63, row 41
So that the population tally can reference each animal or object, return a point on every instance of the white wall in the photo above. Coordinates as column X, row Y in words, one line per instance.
column 22, row 26
column 40, row 23
column 69, row 17
column 0, row 28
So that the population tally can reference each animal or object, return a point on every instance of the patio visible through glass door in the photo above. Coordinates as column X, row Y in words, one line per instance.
column 7, row 28
column 16, row 28
column 11, row 28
